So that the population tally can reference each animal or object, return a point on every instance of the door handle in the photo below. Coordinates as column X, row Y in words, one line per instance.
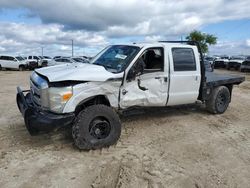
column 165, row 78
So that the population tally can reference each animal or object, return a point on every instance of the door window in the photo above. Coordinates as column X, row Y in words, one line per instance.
column 184, row 59
column 153, row 59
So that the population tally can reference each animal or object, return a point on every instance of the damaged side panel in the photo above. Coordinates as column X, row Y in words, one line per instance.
column 81, row 92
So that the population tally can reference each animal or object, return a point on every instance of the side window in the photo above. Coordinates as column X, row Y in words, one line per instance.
column 30, row 57
column 4, row 58
column 153, row 59
column 11, row 58
column 35, row 57
column 184, row 59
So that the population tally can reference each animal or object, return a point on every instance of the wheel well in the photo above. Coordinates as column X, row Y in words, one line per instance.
column 21, row 66
column 99, row 99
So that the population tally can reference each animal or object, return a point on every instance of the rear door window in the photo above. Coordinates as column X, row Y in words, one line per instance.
column 184, row 59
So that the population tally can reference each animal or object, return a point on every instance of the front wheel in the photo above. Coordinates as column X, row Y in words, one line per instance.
column 219, row 100
column 95, row 127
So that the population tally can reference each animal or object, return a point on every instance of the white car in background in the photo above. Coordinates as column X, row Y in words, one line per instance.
column 12, row 62
column 60, row 61
column 80, row 59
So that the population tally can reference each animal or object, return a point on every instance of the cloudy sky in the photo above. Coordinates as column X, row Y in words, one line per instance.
column 26, row 26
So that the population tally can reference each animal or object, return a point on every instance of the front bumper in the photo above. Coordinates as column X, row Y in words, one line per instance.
column 37, row 119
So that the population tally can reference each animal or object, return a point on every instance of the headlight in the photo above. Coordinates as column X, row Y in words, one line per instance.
column 58, row 97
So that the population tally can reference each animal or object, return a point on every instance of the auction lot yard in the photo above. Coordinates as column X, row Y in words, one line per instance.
column 168, row 147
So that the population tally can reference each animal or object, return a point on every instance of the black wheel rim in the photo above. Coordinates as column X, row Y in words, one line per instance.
column 221, row 102
column 99, row 128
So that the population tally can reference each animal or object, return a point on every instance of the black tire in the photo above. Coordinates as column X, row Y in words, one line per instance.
column 21, row 68
column 219, row 100
column 95, row 127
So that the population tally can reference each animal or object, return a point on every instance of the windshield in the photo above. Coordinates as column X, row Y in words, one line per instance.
column 19, row 58
column 116, row 58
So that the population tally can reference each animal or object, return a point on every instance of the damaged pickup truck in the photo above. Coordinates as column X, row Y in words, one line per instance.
column 88, row 96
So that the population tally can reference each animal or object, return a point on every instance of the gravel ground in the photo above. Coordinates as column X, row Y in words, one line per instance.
column 167, row 147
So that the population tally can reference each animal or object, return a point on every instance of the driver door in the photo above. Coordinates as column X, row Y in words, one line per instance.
column 150, row 87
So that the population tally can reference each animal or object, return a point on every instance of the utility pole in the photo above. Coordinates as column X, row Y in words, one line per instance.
column 72, row 47
column 42, row 51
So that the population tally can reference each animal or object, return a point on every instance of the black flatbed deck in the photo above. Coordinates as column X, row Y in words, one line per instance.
column 214, row 79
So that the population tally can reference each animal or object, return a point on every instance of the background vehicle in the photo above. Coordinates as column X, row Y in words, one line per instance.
column 60, row 61
column 221, row 62
column 208, row 66
column 87, row 96
column 45, row 60
column 245, row 66
column 38, row 60
column 80, row 59
column 235, row 62
column 11, row 62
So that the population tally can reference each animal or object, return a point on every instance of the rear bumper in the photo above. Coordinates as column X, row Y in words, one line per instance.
column 37, row 119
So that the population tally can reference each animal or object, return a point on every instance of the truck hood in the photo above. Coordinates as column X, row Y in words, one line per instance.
column 77, row 72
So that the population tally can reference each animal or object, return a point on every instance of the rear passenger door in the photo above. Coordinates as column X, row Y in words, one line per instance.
column 185, row 75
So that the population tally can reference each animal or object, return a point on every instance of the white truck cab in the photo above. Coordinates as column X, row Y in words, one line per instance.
column 12, row 62
column 88, row 95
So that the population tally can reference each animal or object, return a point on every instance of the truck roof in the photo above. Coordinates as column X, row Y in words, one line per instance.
column 163, row 44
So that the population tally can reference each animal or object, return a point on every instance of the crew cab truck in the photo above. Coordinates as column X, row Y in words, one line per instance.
column 89, row 96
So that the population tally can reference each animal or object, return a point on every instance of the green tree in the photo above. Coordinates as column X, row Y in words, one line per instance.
column 204, row 39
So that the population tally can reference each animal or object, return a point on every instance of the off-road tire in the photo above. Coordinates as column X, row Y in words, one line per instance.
column 21, row 68
column 82, row 127
column 219, row 100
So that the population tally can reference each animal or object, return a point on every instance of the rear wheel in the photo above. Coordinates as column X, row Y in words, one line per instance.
column 21, row 68
column 95, row 127
column 219, row 100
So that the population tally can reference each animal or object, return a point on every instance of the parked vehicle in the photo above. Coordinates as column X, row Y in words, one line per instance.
column 45, row 60
column 87, row 96
column 245, row 66
column 38, row 60
column 208, row 66
column 221, row 62
column 235, row 62
column 60, row 61
column 209, row 60
column 80, row 59
column 12, row 62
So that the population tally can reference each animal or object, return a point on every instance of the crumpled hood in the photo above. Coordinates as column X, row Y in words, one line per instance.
column 77, row 72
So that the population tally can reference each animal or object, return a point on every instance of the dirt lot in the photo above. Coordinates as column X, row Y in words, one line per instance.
column 172, row 147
